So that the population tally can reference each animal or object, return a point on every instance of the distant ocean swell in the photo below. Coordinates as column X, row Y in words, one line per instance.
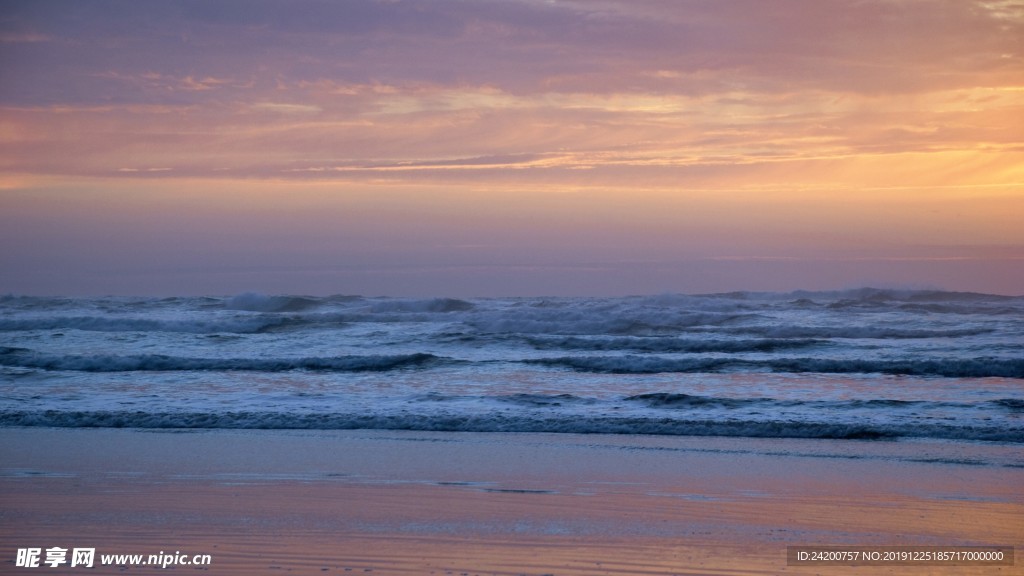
column 625, row 364
column 505, row 423
column 489, row 328
column 243, row 325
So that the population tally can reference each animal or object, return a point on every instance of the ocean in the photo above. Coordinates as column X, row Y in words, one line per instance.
column 858, row 365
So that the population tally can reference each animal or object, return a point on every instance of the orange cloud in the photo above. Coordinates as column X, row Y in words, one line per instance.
column 649, row 130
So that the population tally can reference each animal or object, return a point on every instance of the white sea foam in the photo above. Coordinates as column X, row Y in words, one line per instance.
column 852, row 364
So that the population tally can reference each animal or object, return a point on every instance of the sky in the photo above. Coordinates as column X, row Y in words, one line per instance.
column 510, row 147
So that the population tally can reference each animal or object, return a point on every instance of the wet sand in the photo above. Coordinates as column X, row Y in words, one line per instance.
column 347, row 502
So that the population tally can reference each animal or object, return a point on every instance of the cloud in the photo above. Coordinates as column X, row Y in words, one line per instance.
column 284, row 108
column 631, row 136
column 200, row 84
column 520, row 48
column 640, row 95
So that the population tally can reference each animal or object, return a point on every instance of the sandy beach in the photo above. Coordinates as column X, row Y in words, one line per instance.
column 336, row 502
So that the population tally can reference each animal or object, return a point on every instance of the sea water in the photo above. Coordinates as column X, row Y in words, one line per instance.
column 861, row 364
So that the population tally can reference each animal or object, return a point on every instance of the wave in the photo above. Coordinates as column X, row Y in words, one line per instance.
column 238, row 325
column 253, row 302
column 625, row 364
column 913, row 301
column 683, row 401
column 22, row 358
column 677, row 400
column 744, row 322
column 633, row 316
column 869, row 294
column 543, row 400
column 649, row 344
column 857, row 332
column 522, row 399
column 632, row 364
column 588, row 322
column 674, row 400
column 499, row 422
column 432, row 305
column 1012, row 404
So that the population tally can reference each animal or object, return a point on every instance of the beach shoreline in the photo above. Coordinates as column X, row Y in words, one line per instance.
column 401, row 502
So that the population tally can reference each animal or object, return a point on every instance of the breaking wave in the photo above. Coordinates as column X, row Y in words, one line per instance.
column 857, row 332
column 802, row 364
column 642, row 344
column 238, row 325
column 252, row 302
column 633, row 364
column 434, row 305
column 502, row 423
column 22, row 358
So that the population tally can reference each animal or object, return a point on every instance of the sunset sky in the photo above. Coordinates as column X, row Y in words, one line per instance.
column 510, row 147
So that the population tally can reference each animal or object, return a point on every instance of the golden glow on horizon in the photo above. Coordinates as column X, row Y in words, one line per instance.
column 410, row 131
